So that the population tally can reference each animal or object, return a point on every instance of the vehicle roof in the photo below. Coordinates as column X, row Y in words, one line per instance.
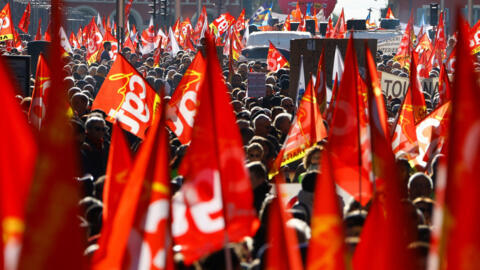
column 280, row 39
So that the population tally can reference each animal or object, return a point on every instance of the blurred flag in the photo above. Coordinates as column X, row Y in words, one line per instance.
column 389, row 14
column 275, row 59
column 25, row 20
column 6, row 29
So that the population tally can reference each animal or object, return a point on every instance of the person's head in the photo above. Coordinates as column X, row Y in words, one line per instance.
column 420, row 185
column 309, row 181
column 79, row 103
column 282, row 122
column 237, row 106
column 311, row 161
column 102, row 71
column 254, row 152
column 353, row 222
column 107, row 46
column 247, row 135
column 95, row 129
column 236, row 80
column 425, row 205
column 258, row 173
column 262, row 125
column 288, row 105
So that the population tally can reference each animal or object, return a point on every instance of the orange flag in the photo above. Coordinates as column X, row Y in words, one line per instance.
column 275, row 59
column 215, row 205
column 345, row 128
column 307, row 129
column 341, row 27
column 240, row 22
column 182, row 107
column 139, row 234
column 297, row 14
column 25, row 20
column 126, row 96
column 389, row 14
column 18, row 146
column 53, row 238
column 74, row 41
column 461, row 235
column 387, row 230
column 7, row 28
column 283, row 252
column 326, row 249
column 37, row 110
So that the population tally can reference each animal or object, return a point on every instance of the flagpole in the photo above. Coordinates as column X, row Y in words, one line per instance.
column 120, row 22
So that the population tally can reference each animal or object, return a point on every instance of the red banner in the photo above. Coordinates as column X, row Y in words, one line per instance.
column 125, row 95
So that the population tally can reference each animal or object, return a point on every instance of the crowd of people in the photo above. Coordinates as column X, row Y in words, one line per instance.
column 264, row 124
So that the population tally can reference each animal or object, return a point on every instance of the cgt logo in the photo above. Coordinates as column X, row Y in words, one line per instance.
column 133, row 110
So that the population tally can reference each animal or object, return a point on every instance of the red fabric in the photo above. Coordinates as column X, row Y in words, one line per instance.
column 321, row 83
column 306, row 130
column 122, row 87
column 444, row 86
column 462, row 237
column 388, row 228
column 440, row 49
column 202, row 20
column 142, row 217
column 423, row 54
column 182, row 107
column 330, row 29
column 217, row 187
column 18, row 147
column 7, row 28
column 221, row 24
column 345, row 134
column 389, row 14
column 240, row 22
column 53, row 238
column 47, row 36
column 341, row 27
column 36, row 113
column 25, row 20
column 283, row 252
column 38, row 35
column 275, row 59
column 404, row 52
column 326, row 249
column 331, row 107
column 287, row 25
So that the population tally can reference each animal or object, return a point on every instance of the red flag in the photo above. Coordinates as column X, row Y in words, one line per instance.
column 18, row 147
column 345, row 140
column 389, row 14
column 129, row 44
column 440, row 49
column 114, row 49
column 282, row 240
column 388, row 229
column 94, row 41
column 48, row 33
column 53, row 238
column 333, row 100
column 418, row 100
column 182, row 107
column 330, row 30
column 423, row 54
column 475, row 38
column 404, row 52
column 37, row 109
column 431, row 134
column 341, row 27
column 118, row 167
column 127, row 97
column 307, row 129
column 74, row 41
column 287, row 25
column 221, row 24
column 215, row 204
column 25, row 20
column 275, row 59
column 326, row 249
column 240, row 22
column 297, row 14
column 139, row 234
column 444, row 86
column 6, row 29
column 80, row 36
column 320, row 88
column 461, row 235
column 128, row 6
column 201, row 26
column 38, row 35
